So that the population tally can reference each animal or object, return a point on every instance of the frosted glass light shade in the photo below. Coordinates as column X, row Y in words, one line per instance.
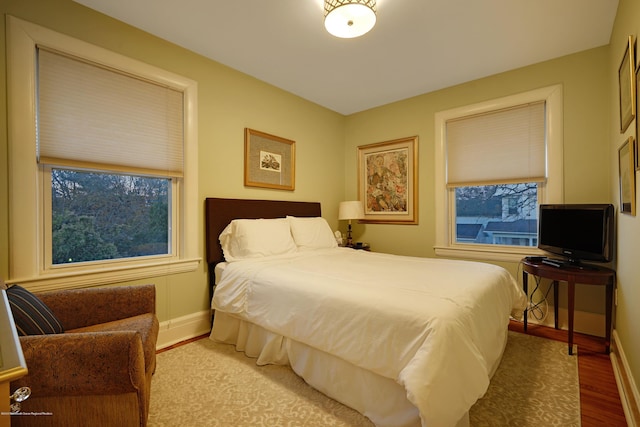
column 349, row 18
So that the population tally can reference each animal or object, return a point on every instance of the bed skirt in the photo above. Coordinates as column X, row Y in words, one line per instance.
column 380, row 399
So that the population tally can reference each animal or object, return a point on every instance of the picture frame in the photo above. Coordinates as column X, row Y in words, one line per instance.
column 388, row 181
column 627, row 176
column 269, row 161
column 627, row 85
column 637, row 159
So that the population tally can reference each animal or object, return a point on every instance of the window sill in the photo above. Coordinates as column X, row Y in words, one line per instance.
column 505, row 254
column 103, row 276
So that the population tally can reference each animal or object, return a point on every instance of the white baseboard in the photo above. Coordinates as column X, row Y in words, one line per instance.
column 627, row 387
column 583, row 322
column 183, row 328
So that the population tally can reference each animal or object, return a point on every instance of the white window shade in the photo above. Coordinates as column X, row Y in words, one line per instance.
column 93, row 116
column 505, row 146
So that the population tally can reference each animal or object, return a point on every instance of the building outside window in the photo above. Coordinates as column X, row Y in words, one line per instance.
column 503, row 214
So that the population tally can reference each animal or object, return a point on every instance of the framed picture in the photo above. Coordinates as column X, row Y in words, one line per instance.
column 627, row 86
column 637, row 159
column 269, row 161
column 388, row 181
column 626, row 167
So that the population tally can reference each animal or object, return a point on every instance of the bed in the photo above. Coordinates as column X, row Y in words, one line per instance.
column 405, row 341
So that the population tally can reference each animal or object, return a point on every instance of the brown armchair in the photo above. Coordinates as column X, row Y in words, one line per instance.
column 98, row 372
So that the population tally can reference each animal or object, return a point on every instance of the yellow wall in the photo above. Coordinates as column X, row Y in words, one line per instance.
column 229, row 101
column 628, row 268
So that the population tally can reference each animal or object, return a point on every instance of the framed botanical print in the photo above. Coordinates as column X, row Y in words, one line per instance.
column 269, row 161
column 626, row 167
column 627, row 85
column 388, row 181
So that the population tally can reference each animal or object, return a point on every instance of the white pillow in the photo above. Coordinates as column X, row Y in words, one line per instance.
column 312, row 233
column 253, row 238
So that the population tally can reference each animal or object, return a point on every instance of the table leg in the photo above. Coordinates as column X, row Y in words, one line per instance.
column 525, row 288
column 609, row 309
column 571, row 292
column 5, row 408
column 555, row 303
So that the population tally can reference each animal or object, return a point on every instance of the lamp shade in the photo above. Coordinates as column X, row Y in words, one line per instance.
column 351, row 210
column 349, row 18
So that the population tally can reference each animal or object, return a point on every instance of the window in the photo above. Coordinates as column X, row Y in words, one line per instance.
column 501, row 214
column 496, row 162
column 97, row 216
column 108, row 144
column 93, row 121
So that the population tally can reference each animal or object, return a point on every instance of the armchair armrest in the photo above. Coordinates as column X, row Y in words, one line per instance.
column 78, row 308
column 81, row 364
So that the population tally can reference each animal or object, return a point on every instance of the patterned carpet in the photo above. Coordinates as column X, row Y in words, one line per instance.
column 209, row 384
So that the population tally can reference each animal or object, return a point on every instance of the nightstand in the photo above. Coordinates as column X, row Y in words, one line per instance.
column 572, row 275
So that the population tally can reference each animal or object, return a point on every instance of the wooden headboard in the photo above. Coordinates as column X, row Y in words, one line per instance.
column 220, row 212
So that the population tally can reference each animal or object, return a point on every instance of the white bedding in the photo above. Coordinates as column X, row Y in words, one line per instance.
column 437, row 327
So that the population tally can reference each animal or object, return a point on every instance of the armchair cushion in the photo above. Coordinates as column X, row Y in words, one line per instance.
column 144, row 324
column 83, row 364
column 31, row 315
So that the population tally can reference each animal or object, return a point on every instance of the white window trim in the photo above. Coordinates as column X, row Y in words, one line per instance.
column 26, row 224
column 550, row 192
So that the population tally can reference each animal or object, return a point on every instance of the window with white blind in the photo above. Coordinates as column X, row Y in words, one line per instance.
column 96, row 117
column 108, row 145
column 496, row 162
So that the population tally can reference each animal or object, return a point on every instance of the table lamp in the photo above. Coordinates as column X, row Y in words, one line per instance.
column 349, row 210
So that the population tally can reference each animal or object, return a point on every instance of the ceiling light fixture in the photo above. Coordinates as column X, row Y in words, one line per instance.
column 349, row 18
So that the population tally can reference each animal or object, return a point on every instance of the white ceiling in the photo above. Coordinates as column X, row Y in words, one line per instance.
column 417, row 46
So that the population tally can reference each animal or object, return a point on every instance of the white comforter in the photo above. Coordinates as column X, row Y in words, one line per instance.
column 435, row 326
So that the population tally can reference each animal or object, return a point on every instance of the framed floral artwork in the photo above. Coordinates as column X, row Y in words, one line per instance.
column 388, row 181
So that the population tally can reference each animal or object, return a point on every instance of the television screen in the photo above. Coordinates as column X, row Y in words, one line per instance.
column 577, row 232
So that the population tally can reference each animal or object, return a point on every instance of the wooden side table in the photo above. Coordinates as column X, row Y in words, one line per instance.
column 572, row 275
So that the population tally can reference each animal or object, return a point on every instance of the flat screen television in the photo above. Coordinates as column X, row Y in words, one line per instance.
column 577, row 232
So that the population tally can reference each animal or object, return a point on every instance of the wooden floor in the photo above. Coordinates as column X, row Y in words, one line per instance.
column 600, row 404
column 599, row 398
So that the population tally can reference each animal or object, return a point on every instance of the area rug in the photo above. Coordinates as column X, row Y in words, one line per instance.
column 536, row 384
column 205, row 383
